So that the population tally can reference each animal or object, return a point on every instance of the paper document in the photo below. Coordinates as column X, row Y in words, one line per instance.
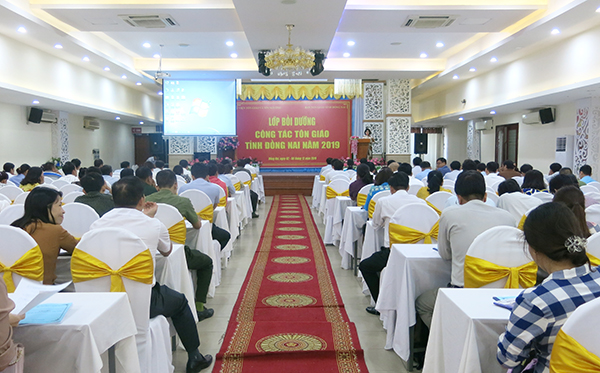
column 29, row 294
column 47, row 313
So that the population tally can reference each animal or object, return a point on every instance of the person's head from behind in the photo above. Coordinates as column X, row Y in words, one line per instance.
column 34, row 176
column 42, row 205
column 350, row 163
column 222, row 168
column 129, row 192
column 106, row 169
column 434, row 181
column 455, row 165
column 574, row 199
column 565, row 171
column 525, row 168
column 390, row 161
column 166, row 179
column 200, row 170
column 127, row 172
column 417, row 161
column 470, row 185
column 383, row 175
column 585, row 170
column 69, row 168
column 125, row 164
column 337, row 165
column 178, row 170
column 398, row 181
column 150, row 165
column 92, row 182
column 481, row 167
column 469, row 164
column 93, row 169
column 425, row 165
column 534, row 179
column 76, row 162
column 184, row 163
column 49, row 166
column 508, row 165
column 160, row 164
column 23, row 169
column 329, row 160
column 363, row 173
column 555, row 237
column 508, row 186
column 239, row 163
column 554, row 168
column 372, row 167
column 560, row 181
column 364, row 160
column 440, row 162
column 98, row 162
column 212, row 169
column 144, row 174
column 491, row 167
column 406, row 168
column 394, row 166
column 9, row 168
column 3, row 177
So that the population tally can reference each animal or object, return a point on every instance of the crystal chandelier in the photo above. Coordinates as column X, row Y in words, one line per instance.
column 290, row 61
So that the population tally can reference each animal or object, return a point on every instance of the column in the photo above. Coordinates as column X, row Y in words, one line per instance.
column 60, row 137
column 373, row 116
column 473, row 141
column 398, row 120
column 587, row 135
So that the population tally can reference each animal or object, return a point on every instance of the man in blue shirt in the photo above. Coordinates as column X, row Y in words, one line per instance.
column 585, row 174
column 426, row 167
column 441, row 166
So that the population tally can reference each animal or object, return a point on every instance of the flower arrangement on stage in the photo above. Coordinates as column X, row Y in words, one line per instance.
column 56, row 161
column 256, row 161
column 378, row 161
column 354, row 145
column 228, row 143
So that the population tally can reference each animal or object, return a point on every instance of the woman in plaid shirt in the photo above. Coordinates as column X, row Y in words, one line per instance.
column 557, row 244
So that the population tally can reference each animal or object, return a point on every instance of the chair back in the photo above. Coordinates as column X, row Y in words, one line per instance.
column 414, row 185
column 11, row 192
column 11, row 213
column 237, row 184
column 60, row 183
column 3, row 204
column 351, row 173
column 592, row 214
column 493, row 197
column 201, row 202
column 222, row 197
column 374, row 199
column 593, row 249
column 576, row 348
column 337, row 188
column 494, row 186
column 20, row 252
column 70, row 188
column 447, row 183
column 70, row 197
column 172, row 219
column 594, row 184
column 543, row 196
column 4, row 198
column 414, row 223
column 20, row 200
column 361, row 197
column 592, row 198
column 244, row 177
column 438, row 199
column 517, row 204
column 180, row 180
column 496, row 259
column 48, row 180
column 340, row 176
column 585, row 189
column 518, row 179
column 78, row 218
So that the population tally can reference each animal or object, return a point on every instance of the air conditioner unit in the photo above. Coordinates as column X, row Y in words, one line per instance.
column 418, row 21
column 149, row 20
column 483, row 124
column 565, row 150
column 48, row 117
column 531, row 118
column 91, row 123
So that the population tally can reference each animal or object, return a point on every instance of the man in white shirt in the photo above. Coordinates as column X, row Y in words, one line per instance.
column 124, row 165
column 554, row 170
column 513, row 200
column 417, row 166
column 384, row 210
column 455, row 170
column 70, row 173
column 338, row 169
column 327, row 166
column 107, row 174
column 134, row 214
column 459, row 225
column 492, row 177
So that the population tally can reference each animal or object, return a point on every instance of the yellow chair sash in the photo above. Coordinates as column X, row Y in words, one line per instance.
column 571, row 356
column 249, row 182
column 177, row 232
column 522, row 222
column 238, row 186
column 207, row 213
column 331, row 193
column 30, row 265
column 222, row 202
column 252, row 177
column 361, row 199
column 85, row 267
column 433, row 207
column 402, row 234
column 479, row 272
column 371, row 210
column 322, row 177
column 594, row 262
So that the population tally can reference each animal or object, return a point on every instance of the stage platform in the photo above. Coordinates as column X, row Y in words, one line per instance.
column 277, row 183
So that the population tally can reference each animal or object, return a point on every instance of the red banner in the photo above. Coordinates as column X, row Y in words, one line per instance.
column 293, row 133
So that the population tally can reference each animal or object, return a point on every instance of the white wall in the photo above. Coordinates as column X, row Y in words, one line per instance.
column 456, row 138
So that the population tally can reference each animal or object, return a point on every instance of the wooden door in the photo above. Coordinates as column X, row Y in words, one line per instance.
column 142, row 149
column 507, row 143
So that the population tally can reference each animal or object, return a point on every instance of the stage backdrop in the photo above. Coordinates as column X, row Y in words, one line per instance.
column 294, row 133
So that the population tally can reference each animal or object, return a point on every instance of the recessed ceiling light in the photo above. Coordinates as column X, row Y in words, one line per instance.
column 184, row 45
column 229, row 43
column 159, row 93
column 156, row 55
column 461, row 118
column 396, row 43
column 85, row 59
column 351, row 43
column 455, row 76
column 555, row 31
column 493, row 112
column 423, row 55
column 141, row 122
column 138, row 83
column 288, row 2
column 472, row 69
column 35, row 102
column 58, row 46
column 346, row 55
column 146, row 45
column 106, row 68
column 493, row 59
column 233, row 55
column 117, row 118
column 439, row 44
column 22, row 30
column 123, row 76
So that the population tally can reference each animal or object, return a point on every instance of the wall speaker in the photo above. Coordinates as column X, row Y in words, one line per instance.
column 318, row 66
column 420, row 143
column 35, row 115
column 262, row 64
column 156, row 143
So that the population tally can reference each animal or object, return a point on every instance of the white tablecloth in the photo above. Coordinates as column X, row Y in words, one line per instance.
column 173, row 272
column 233, row 217
column 94, row 323
column 316, row 192
column 355, row 219
column 258, row 187
column 339, row 209
column 411, row 270
column 220, row 219
column 323, row 199
column 373, row 240
column 242, row 206
column 465, row 330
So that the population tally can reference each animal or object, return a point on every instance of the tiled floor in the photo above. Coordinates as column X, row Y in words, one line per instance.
column 212, row 331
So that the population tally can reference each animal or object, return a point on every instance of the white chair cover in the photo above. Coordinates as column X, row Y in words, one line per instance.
column 518, row 179
column 374, row 239
column 592, row 214
column 180, row 180
column 47, row 185
column 243, row 176
column 365, row 192
column 71, row 188
column 3, row 203
column 351, row 173
column 502, row 245
column 588, row 189
column 489, row 190
column 70, row 197
column 20, row 200
column 60, row 183
column 592, row 198
column 11, row 192
column 494, row 197
column 168, row 215
column 447, row 183
column 438, row 199
column 543, row 196
column 78, row 218
column 339, row 185
column 494, row 186
column 341, row 176
column 4, row 198
column 115, row 247
column 593, row 245
column 417, row 216
column 48, row 179
column 414, row 185
column 594, row 184
column 11, row 213
column 14, row 244
column 517, row 204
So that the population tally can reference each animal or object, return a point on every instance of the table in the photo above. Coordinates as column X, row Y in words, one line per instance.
column 242, row 207
column 94, row 323
column 233, row 216
column 465, row 329
column 316, row 192
column 258, row 187
column 355, row 219
column 339, row 210
column 323, row 199
column 411, row 270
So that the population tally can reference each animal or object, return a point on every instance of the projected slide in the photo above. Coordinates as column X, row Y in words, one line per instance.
column 193, row 107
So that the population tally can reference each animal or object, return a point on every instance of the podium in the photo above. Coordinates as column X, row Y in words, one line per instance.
column 363, row 148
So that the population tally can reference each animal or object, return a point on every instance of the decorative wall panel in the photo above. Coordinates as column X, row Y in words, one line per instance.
column 377, row 136
column 398, row 135
column 60, row 137
column 581, row 135
column 206, row 144
column 181, row 144
column 473, row 142
column 398, row 96
column 373, row 101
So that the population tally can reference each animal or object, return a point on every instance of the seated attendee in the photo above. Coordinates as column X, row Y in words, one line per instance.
column 390, row 161
column 107, row 174
column 363, row 177
column 585, row 174
column 508, row 186
column 21, row 172
column 372, row 168
column 126, row 172
column 507, row 171
column 561, row 180
column 434, row 184
column 9, row 168
column 98, row 163
column 557, row 244
column 145, row 174
column 492, row 177
column 77, row 164
column 94, row 196
column 417, row 165
column 426, row 166
column 135, row 215
column 51, row 171
column 381, row 184
column 70, row 173
column 327, row 166
column 533, row 182
column 33, row 178
column 513, row 200
column 459, row 225
column 3, row 179
column 12, row 355
column 363, row 160
column 481, row 168
column 349, row 164
column 117, row 173
column 186, row 172
column 441, row 166
column 213, row 177
column 338, row 169
column 166, row 183
column 159, row 165
column 574, row 199
column 394, row 166
column 525, row 168
column 222, row 170
column 201, row 183
column 42, row 219
column 554, row 170
column 253, row 196
column 454, row 171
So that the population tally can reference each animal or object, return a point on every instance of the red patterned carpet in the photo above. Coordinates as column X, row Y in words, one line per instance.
column 289, row 316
